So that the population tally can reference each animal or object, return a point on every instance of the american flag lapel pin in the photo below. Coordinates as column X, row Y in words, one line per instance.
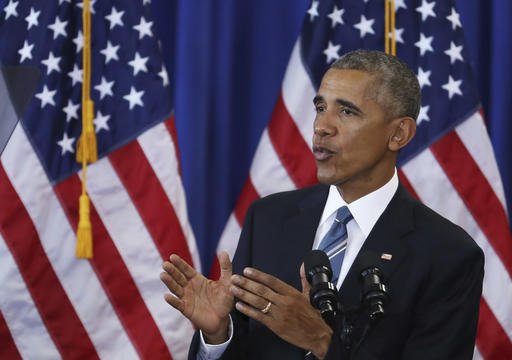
column 385, row 256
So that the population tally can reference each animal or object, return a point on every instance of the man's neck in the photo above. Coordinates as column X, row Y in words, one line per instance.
column 351, row 191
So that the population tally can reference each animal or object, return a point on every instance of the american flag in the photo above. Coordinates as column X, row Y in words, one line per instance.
column 450, row 165
column 53, row 305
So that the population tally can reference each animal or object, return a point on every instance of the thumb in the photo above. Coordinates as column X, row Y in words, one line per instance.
column 305, row 284
column 226, row 269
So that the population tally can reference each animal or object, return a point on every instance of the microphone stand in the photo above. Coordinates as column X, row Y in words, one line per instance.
column 374, row 296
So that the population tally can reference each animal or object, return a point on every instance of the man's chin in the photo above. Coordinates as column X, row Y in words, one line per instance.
column 327, row 179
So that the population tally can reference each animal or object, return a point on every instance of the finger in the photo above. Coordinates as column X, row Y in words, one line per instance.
column 175, row 273
column 255, row 288
column 174, row 302
column 225, row 265
column 182, row 265
column 171, row 284
column 254, row 300
column 254, row 313
column 270, row 281
column 304, row 281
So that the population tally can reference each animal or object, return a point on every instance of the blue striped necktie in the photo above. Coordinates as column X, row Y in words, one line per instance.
column 334, row 242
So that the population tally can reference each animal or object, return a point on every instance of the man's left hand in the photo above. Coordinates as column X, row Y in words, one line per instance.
column 283, row 309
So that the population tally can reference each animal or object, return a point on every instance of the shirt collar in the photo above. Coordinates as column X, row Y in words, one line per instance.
column 365, row 210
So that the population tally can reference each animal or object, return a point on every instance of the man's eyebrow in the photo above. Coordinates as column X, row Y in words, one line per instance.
column 317, row 99
column 342, row 102
column 349, row 105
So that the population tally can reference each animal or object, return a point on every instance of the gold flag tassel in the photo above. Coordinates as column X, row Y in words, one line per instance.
column 389, row 27
column 87, row 148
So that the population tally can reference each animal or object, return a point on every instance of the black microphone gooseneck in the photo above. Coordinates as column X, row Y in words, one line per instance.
column 323, row 295
column 374, row 293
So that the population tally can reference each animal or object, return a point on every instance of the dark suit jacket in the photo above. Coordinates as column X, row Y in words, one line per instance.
column 434, row 277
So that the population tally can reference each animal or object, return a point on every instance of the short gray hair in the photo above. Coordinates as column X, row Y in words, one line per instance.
column 396, row 86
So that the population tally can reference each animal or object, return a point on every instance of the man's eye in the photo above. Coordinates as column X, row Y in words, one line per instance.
column 319, row 108
column 347, row 112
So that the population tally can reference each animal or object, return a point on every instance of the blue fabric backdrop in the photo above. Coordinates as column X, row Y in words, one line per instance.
column 227, row 60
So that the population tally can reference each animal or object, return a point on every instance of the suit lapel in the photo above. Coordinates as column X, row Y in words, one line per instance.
column 385, row 238
column 301, row 225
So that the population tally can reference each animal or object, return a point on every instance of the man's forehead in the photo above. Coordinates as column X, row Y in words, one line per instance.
column 348, row 75
column 353, row 83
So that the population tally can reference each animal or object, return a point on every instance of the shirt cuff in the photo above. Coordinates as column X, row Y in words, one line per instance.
column 210, row 351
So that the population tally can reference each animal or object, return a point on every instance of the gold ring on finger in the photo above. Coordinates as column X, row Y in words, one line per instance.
column 267, row 308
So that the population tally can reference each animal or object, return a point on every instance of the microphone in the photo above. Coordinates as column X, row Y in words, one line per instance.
column 323, row 295
column 375, row 293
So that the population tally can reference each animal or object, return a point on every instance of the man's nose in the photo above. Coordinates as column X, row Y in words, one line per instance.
column 323, row 126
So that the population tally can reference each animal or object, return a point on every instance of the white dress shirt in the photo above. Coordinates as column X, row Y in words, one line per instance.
column 365, row 211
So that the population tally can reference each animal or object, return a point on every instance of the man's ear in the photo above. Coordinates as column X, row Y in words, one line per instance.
column 403, row 130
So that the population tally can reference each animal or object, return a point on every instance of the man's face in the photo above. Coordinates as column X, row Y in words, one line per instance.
column 351, row 133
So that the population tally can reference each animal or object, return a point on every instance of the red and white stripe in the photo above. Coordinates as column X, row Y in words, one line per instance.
column 457, row 176
column 53, row 305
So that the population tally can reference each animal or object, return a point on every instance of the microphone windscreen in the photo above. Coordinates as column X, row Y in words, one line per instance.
column 316, row 259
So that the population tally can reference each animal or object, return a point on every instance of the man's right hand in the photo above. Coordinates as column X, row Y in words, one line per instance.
column 205, row 302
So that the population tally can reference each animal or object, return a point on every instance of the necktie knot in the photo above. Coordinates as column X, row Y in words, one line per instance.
column 343, row 215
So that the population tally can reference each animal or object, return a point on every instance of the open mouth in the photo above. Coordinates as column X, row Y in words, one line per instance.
column 321, row 153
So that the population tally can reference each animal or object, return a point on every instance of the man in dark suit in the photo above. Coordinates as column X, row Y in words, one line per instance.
column 366, row 108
